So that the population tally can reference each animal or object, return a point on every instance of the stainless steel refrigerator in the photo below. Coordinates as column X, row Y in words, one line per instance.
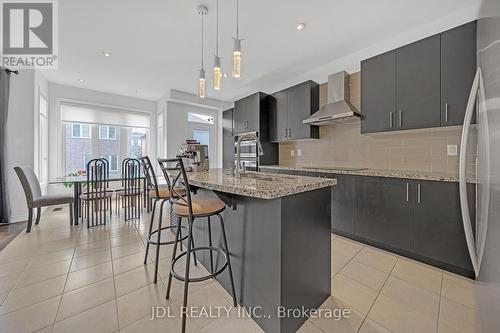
column 483, row 236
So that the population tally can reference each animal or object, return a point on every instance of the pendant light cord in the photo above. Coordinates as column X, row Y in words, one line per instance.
column 202, row 41
column 217, row 32
column 237, row 19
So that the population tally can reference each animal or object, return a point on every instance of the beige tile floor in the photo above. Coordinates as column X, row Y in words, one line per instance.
column 69, row 279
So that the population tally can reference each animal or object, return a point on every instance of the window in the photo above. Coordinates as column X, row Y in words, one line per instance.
column 202, row 136
column 94, row 132
column 200, row 118
column 43, row 137
column 113, row 162
column 107, row 132
column 80, row 131
column 127, row 142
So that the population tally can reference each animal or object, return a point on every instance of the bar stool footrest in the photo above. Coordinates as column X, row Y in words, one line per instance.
column 170, row 227
column 201, row 278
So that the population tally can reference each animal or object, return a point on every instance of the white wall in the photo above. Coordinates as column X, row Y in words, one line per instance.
column 58, row 93
column 20, row 137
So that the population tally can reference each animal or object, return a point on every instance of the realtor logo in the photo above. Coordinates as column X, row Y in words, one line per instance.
column 29, row 33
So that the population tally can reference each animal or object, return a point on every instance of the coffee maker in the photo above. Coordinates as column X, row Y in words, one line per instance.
column 197, row 156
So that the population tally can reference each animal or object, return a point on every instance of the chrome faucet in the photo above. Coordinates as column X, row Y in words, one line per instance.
column 246, row 137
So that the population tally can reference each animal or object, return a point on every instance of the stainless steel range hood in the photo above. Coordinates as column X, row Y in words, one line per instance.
column 338, row 109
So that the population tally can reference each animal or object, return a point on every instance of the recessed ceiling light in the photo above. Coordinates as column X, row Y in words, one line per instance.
column 106, row 54
column 81, row 80
column 301, row 26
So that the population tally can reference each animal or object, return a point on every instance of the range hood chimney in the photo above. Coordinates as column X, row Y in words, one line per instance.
column 338, row 109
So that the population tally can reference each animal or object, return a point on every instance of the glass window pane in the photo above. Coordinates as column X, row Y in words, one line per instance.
column 76, row 130
column 202, row 136
column 86, row 131
column 103, row 132
column 111, row 132
column 200, row 118
column 77, row 149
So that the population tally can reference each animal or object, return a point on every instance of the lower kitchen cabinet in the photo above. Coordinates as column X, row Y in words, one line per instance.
column 343, row 204
column 383, row 211
column 418, row 219
column 438, row 228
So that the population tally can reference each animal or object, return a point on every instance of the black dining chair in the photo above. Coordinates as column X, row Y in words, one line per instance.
column 34, row 197
column 97, row 195
column 130, row 196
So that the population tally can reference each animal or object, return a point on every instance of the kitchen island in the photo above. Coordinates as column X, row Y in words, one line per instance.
column 278, row 229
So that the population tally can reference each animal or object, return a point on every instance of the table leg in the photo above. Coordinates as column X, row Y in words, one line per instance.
column 76, row 202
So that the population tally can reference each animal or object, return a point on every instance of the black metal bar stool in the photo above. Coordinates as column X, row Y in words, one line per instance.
column 158, row 193
column 198, row 206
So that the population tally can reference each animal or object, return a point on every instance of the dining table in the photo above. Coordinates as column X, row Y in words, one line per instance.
column 77, row 183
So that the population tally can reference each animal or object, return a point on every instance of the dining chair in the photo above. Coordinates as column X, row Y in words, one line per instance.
column 97, row 194
column 34, row 197
column 130, row 196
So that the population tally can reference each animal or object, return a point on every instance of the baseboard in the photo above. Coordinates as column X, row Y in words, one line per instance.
column 24, row 218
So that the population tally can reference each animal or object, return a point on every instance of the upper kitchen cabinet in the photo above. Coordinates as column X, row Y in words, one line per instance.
column 378, row 93
column 418, row 78
column 278, row 104
column 248, row 113
column 458, row 67
column 421, row 85
column 289, row 108
column 227, row 123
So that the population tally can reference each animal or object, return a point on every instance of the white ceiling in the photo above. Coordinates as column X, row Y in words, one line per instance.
column 155, row 44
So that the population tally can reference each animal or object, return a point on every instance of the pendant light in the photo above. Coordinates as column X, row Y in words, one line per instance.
column 202, row 11
column 237, row 46
column 217, row 74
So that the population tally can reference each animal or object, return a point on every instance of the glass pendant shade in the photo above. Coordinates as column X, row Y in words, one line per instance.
column 217, row 74
column 201, row 84
column 237, row 58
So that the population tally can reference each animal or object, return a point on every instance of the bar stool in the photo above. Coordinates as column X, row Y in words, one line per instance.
column 158, row 193
column 192, row 208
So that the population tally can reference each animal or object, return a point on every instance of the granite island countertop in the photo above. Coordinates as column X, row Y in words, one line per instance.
column 404, row 174
column 266, row 186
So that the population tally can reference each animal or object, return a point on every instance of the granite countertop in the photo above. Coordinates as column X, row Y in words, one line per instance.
column 405, row 174
column 270, row 187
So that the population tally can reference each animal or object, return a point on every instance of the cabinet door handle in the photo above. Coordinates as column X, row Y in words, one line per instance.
column 418, row 193
column 407, row 192
column 446, row 106
column 400, row 118
column 286, row 132
column 290, row 132
column 390, row 119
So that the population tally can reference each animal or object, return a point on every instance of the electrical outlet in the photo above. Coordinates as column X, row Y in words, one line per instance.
column 292, row 152
column 299, row 152
column 452, row 150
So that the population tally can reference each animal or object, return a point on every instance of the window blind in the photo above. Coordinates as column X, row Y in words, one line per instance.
column 103, row 116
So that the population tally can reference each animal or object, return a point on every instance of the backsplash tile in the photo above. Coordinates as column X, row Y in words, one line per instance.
column 343, row 145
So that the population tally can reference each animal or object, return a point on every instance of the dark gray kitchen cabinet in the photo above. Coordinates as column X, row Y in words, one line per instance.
column 384, row 211
column 418, row 77
column 246, row 113
column 289, row 108
column 458, row 67
column 303, row 100
column 227, row 139
column 378, row 93
column 343, row 204
column 278, row 103
column 438, row 227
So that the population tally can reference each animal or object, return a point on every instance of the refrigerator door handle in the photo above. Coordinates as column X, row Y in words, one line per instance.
column 464, row 204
